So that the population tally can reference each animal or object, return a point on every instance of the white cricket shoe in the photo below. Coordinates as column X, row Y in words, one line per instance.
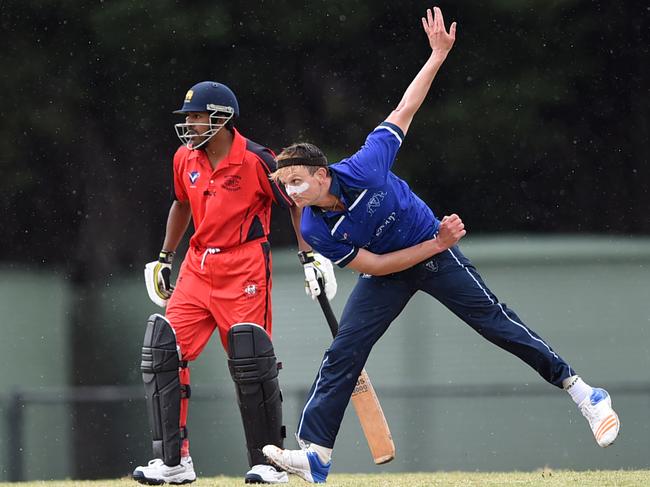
column 603, row 420
column 157, row 473
column 265, row 474
column 303, row 463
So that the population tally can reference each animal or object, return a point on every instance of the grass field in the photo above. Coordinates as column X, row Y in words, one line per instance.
column 546, row 478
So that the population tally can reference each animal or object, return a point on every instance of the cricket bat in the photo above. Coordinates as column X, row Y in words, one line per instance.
column 365, row 402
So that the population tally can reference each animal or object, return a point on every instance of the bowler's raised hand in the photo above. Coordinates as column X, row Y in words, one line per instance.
column 440, row 40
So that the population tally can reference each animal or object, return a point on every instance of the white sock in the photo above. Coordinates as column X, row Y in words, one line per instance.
column 324, row 454
column 577, row 388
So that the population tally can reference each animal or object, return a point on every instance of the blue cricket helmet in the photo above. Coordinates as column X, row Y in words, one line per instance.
column 209, row 96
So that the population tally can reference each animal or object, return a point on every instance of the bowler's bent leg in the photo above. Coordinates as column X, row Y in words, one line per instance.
column 458, row 286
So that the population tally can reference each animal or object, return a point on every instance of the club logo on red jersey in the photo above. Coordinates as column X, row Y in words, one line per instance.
column 194, row 176
column 231, row 183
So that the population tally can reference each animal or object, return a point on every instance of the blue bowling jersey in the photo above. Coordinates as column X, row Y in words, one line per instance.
column 382, row 215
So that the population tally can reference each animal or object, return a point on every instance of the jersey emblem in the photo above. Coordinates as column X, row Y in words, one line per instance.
column 232, row 183
column 375, row 202
column 194, row 176
column 432, row 266
column 250, row 290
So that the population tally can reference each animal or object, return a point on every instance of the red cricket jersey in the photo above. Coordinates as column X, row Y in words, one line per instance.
column 232, row 204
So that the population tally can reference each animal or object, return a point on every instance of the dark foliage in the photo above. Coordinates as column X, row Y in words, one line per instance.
column 537, row 122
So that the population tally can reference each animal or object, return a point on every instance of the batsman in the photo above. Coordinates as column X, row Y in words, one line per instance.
column 357, row 211
column 221, row 182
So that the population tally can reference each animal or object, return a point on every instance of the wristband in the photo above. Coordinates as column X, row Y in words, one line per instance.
column 306, row 256
column 166, row 256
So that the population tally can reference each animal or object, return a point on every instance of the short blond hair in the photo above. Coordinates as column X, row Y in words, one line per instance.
column 299, row 150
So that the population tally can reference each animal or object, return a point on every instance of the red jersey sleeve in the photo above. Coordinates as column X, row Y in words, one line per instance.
column 179, row 163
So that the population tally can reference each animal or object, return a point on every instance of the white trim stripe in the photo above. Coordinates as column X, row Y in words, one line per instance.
column 337, row 225
column 363, row 193
column 392, row 131
column 501, row 307
column 302, row 416
column 345, row 257
column 340, row 220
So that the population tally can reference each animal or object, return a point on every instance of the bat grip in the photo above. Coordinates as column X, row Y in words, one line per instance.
column 327, row 309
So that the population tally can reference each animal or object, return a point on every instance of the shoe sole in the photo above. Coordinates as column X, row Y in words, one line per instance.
column 254, row 479
column 148, row 481
column 296, row 471
column 257, row 479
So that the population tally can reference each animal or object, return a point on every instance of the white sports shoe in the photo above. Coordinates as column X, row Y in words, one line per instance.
column 304, row 463
column 603, row 420
column 157, row 473
column 265, row 474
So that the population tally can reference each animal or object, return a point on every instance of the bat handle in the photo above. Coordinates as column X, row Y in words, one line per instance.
column 327, row 309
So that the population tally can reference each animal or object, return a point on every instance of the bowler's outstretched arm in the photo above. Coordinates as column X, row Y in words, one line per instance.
column 441, row 43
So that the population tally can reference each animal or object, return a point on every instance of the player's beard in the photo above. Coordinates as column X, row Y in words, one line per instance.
column 197, row 139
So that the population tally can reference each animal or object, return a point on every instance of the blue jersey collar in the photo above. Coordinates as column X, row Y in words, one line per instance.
column 345, row 193
column 336, row 189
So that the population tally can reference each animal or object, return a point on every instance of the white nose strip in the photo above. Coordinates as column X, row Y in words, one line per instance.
column 297, row 189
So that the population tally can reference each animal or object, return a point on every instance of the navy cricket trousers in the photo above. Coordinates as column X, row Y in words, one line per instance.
column 373, row 305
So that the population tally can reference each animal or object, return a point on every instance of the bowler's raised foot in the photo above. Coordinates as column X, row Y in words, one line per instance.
column 603, row 420
column 303, row 463
column 266, row 474
column 157, row 473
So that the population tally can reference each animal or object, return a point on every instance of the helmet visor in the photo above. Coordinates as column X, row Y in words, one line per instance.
column 190, row 134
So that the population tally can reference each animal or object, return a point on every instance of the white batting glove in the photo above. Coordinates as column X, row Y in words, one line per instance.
column 157, row 277
column 318, row 267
